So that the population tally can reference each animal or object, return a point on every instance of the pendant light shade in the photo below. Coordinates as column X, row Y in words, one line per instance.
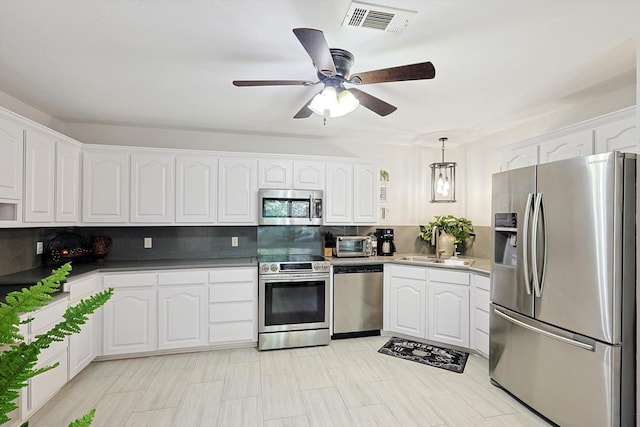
column 443, row 180
column 334, row 102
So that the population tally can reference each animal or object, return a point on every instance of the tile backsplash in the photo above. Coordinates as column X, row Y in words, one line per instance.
column 18, row 246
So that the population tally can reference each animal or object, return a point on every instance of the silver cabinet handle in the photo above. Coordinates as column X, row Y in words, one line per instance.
column 545, row 333
column 525, row 244
column 534, row 245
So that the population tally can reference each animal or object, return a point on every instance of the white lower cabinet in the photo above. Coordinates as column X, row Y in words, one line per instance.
column 130, row 316
column 480, row 288
column 405, row 297
column 233, row 305
column 448, row 297
column 87, row 344
column 43, row 386
column 428, row 303
column 182, row 309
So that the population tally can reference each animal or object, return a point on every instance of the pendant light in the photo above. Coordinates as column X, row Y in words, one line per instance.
column 443, row 180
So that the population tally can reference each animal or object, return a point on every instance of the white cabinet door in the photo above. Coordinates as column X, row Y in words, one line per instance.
column 233, row 305
column 152, row 188
column 449, row 314
column 237, row 196
column 480, row 314
column 130, row 321
column 275, row 173
column 87, row 344
column 182, row 316
column 67, row 182
column 40, row 161
column 621, row 135
column 196, row 189
column 565, row 147
column 365, row 206
column 519, row 158
column 105, row 187
column 339, row 194
column 308, row 175
column 11, row 163
column 405, row 300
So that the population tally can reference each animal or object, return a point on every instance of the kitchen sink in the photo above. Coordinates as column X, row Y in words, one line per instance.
column 433, row 260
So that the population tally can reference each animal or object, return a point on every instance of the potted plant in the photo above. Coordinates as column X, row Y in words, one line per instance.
column 458, row 228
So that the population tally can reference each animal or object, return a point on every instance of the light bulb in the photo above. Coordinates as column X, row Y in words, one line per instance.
column 439, row 185
column 324, row 101
column 445, row 187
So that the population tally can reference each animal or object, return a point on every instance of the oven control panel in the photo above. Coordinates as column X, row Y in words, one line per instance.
column 294, row 267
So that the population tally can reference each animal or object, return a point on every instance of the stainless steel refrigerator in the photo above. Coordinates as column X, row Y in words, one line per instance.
column 562, row 334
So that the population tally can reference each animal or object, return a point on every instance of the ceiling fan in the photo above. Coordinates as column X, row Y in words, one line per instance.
column 333, row 69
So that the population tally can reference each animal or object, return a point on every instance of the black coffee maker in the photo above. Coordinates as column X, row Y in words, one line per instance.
column 386, row 246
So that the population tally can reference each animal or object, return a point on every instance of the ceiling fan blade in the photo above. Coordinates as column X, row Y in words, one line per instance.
column 305, row 111
column 374, row 104
column 316, row 46
column 272, row 83
column 421, row 71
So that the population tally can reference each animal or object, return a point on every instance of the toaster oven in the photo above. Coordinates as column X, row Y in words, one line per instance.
column 353, row 246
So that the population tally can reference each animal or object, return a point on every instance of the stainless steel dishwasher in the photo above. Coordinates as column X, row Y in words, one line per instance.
column 357, row 300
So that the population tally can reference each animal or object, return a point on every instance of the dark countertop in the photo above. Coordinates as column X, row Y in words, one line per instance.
column 30, row 277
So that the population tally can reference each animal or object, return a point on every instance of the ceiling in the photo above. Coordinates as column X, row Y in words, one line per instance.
column 170, row 64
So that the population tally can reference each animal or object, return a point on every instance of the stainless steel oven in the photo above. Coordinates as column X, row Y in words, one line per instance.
column 293, row 297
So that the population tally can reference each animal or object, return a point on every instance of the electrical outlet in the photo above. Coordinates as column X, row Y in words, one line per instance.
column 39, row 248
column 148, row 242
column 234, row 241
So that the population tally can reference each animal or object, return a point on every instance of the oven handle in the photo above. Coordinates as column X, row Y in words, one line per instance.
column 293, row 277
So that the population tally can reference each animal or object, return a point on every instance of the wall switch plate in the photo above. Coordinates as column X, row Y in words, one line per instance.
column 148, row 242
column 234, row 241
column 39, row 248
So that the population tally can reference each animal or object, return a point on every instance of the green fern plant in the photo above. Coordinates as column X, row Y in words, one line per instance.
column 18, row 359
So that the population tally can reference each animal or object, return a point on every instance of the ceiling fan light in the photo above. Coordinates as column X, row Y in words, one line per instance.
column 324, row 101
column 346, row 104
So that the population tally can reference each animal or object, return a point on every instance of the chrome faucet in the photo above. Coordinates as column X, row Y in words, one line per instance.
column 435, row 237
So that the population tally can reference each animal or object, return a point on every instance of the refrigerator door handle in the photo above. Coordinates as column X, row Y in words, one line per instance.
column 525, row 244
column 534, row 245
column 532, row 328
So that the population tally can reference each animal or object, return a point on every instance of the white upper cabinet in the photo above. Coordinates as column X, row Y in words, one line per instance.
column 365, row 185
column 308, row 175
column 105, row 189
column 11, row 163
column 40, row 162
column 196, row 189
column 620, row 135
column 275, row 173
column 291, row 174
column 152, row 188
column 237, row 192
column 574, row 144
column 519, row 158
column 339, row 194
column 351, row 196
column 67, row 182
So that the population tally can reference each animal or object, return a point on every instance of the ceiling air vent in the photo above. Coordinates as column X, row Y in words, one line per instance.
column 363, row 15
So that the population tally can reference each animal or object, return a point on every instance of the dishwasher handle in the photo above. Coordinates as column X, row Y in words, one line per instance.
column 360, row 268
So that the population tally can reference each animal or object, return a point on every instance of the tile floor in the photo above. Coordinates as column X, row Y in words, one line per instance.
column 344, row 384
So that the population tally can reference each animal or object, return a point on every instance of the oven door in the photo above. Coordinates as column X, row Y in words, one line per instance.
column 293, row 302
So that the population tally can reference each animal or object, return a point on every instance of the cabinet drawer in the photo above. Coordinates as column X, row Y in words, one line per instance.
column 44, row 385
column 80, row 288
column 224, row 275
column 483, row 282
column 232, row 331
column 482, row 320
column 481, row 342
column 130, row 280
column 231, row 311
column 185, row 277
column 232, row 292
column 448, row 276
column 416, row 273
column 50, row 352
column 45, row 318
column 482, row 299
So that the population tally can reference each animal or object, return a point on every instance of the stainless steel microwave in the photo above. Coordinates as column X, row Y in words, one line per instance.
column 290, row 207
